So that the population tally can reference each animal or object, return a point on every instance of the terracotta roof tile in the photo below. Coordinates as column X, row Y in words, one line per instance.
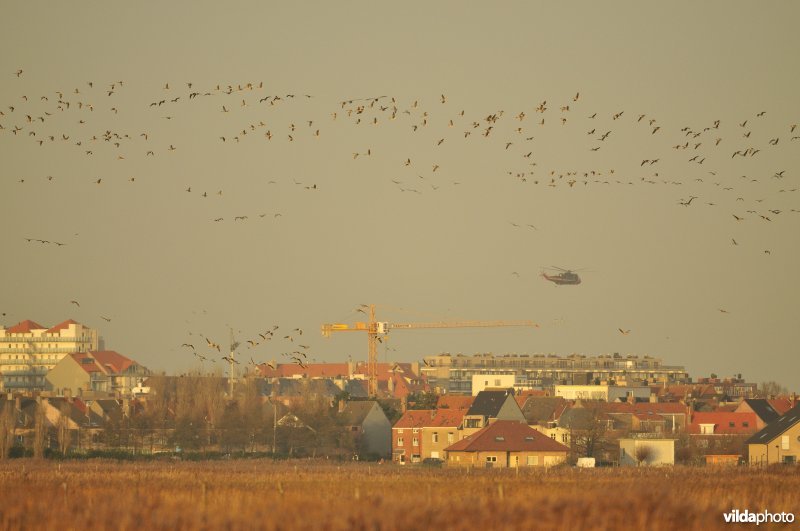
column 722, row 422
column 112, row 360
column 61, row 326
column 415, row 418
column 86, row 362
column 25, row 327
column 781, row 405
column 455, row 402
column 507, row 436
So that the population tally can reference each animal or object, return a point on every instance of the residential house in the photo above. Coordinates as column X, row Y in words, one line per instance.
column 722, row 423
column 543, row 411
column 778, row 442
column 370, row 426
column 442, row 431
column 506, row 444
column 407, row 435
column 720, row 432
column 648, row 417
column 764, row 411
column 95, row 373
column 490, row 406
column 425, row 433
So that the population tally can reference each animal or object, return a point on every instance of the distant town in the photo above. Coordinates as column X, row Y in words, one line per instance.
column 65, row 394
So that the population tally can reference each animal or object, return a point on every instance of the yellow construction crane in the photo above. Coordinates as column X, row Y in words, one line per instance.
column 375, row 328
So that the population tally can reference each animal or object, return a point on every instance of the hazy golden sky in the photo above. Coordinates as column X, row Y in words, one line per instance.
column 439, row 243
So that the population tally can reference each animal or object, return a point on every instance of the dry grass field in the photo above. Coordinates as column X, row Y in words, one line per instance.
column 261, row 494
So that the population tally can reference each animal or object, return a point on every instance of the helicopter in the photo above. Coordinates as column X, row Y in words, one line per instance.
column 566, row 277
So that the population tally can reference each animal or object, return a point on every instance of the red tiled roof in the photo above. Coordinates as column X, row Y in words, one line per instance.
column 722, row 422
column 86, row 362
column 113, row 361
column 447, row 418
column 61, row 326
column 455, row 402
column 507, row 436
column 415, row 418
column 525, row 395
column 431, row 418
column 25, row 327
column 781, row 405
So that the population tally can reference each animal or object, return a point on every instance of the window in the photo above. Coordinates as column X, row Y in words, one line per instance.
column 415, row 441
column 491, row 458
column 435, row 437
column 497, row 382
column 400, row 431
column 563, row 437
column 731, row 424
column 533, row 460
column 784, row 442
column 745, row 424
column 553, row 436
column 415, row 430
column 450, row 437
column 399, row 441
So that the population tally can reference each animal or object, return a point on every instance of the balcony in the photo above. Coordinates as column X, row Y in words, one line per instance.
column 20, row 385
column 45, row 339
column 31, row 371
column 54, row 350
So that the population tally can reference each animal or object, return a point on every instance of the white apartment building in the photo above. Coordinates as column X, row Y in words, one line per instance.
column 29, row 350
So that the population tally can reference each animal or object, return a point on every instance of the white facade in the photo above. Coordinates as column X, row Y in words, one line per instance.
column 481, row 382
column 660, row 452
column 608, row 393
column 28, row 351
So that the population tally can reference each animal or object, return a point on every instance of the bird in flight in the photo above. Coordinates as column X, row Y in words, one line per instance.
column 76, row 303
column 624, row 332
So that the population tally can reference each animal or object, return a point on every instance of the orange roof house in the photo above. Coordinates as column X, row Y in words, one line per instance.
column 723, row 423
column 506, row 443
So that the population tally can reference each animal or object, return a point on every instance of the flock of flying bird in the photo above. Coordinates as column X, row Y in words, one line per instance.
column 298, row 356
column 79, row 118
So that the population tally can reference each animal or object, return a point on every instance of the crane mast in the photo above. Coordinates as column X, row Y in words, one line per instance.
column 375, row 328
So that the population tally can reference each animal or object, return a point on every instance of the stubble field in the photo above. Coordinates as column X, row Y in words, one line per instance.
column 262, row 494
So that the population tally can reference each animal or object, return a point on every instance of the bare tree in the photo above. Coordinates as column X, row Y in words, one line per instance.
column 770, row 389
column 39, row 431
column 7, row 426
column 64, row 432
column 643, row 453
